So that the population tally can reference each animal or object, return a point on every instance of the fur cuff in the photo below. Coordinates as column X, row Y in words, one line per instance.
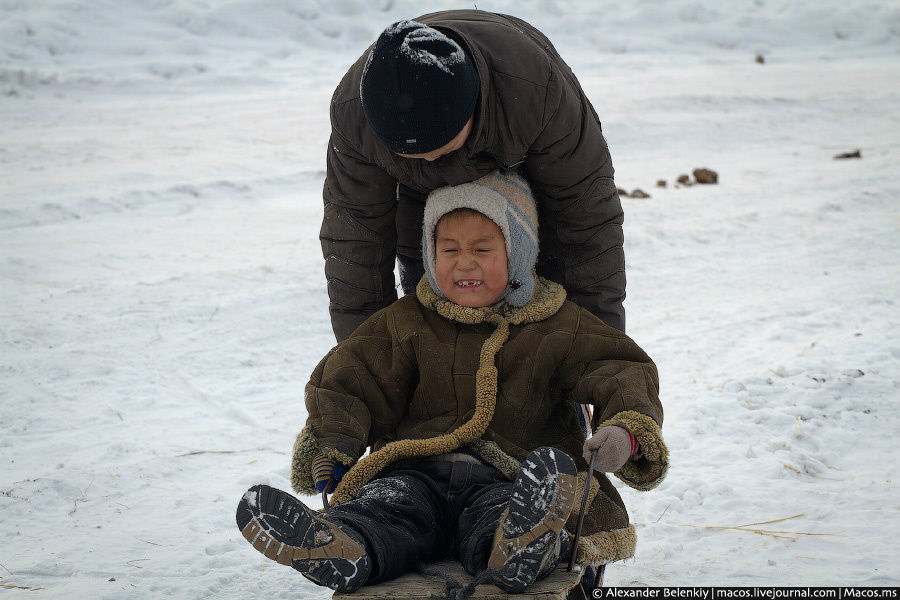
column 646, row 471
column 606, row 546
column 306, row 447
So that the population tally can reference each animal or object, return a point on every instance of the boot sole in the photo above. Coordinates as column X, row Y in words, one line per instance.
column 543, row 497
column 285, row 530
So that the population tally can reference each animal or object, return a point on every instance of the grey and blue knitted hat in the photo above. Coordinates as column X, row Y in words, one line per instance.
column 505, row 198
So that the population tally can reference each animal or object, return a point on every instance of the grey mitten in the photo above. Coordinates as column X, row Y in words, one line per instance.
column 614, row 447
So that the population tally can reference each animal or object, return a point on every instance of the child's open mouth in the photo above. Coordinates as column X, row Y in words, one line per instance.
column 468, row 283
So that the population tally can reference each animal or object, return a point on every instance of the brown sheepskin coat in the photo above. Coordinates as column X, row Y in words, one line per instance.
column 425, row 376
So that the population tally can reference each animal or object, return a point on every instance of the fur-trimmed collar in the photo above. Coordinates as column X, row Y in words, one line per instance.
column 547, row 300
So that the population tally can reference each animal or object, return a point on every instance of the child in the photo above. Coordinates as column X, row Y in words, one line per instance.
column 485, row 366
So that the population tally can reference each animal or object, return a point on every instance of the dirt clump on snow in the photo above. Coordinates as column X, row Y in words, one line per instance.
column 701, row 175
column 706, row 176
column 855, row 154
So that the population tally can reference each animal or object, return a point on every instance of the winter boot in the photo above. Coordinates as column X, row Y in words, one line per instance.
column 528, row 544
column 288, row 532
column 559, row 553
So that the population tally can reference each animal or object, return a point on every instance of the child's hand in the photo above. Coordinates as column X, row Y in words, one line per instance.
column 324, row 468
column 614, row 445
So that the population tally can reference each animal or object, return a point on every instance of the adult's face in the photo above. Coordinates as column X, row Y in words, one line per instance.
column 455, row 144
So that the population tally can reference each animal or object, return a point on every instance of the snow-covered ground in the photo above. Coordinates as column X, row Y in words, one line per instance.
column 162, row 300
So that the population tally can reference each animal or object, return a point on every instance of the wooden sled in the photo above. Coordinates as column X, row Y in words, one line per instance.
column 556, row 586
column 561, row 584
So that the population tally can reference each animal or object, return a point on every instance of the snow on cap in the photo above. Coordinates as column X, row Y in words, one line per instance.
column 418, row 88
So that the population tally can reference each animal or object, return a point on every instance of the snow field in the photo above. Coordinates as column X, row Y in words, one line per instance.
column 162, row 301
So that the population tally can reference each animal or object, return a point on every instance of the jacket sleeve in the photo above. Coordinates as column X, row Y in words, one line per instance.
column 355, row 396
column 611, row 372
column 571, row 170
column 358, row 236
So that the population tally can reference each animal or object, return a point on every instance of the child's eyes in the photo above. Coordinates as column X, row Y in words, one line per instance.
column 451, row 250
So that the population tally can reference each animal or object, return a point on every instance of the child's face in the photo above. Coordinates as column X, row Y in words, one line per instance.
column 470, row 259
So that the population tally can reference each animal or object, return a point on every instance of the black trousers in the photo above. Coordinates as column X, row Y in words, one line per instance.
column 427, row 512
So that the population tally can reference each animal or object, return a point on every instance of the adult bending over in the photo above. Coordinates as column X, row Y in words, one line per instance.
column 443, row 100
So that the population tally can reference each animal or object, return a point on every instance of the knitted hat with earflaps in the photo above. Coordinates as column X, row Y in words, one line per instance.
column 505, row 198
